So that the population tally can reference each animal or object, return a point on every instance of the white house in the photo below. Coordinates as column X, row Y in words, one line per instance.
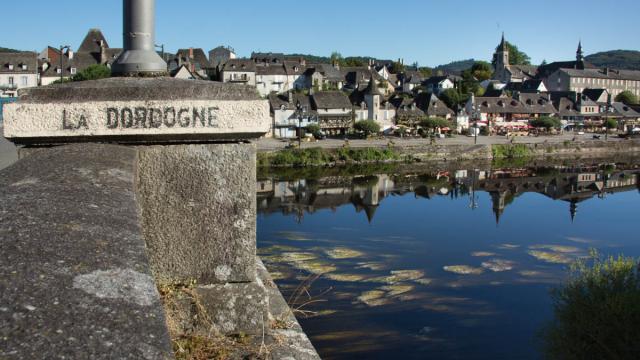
column 17, row 71
column 239, row 71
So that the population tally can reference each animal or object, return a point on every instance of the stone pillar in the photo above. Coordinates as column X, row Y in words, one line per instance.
column 196, row 175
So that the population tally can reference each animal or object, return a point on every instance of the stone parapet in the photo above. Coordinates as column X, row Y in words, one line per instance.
column 75, row 281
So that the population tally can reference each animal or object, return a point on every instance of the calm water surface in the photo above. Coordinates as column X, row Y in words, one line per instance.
column 438, row 263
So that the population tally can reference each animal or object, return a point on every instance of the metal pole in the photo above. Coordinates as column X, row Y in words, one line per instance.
column 61, row 69
column 139, row 56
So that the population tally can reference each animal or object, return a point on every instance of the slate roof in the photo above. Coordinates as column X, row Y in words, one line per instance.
column 91, row 42
column 329, row 72
column 531, row 85
column 278, row 101
column 271, row 69
column 523, row 71
column 240, row 65
column 17, row 60
column 331, row 100
column 500, row 105
column 602, row 74
column 436, row 107
column 566, row 107
column 434, row 80
column 80, row 62
column 586, row 101
column 537, row 103
column 625, row 110
column 199, row 57
column 595, row 94
column 545, row 71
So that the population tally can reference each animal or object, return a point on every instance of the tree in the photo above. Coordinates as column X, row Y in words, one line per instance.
column 425, row 72
column 516, row 57
column 314, row 129
column 481, row 70
column 353, row 62
column 433, row 123
column 451, row 97
column 547, row 122
column 367, row 127
column 611, row 124
column 627, row 97
column 93, row 72
column 397, row 67
column 336, row 57
column 597, row 311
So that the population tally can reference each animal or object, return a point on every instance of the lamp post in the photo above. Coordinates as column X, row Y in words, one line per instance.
column 606, row 118
column 62, row 49
column 139, row 55
column 301, row 111
column 475, row 124
column 161, row 47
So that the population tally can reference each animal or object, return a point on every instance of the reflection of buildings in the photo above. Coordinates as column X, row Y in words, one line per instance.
column 366, row 193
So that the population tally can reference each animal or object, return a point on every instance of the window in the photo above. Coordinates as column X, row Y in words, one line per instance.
column 11, row 67
column 73, row 71
column 25, row 67
column 59, row 71
column 10, row 80
column 24, row 81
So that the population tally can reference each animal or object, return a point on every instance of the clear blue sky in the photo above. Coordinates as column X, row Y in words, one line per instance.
column 427, row 31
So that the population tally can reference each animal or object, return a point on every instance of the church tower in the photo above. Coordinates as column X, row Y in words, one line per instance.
column 502, row 55
column 580, row 53
column 372, row 98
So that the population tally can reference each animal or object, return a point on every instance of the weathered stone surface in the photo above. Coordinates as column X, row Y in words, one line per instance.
column 289, row 342
column 236, row 308
column 8, row 152
column 74, row 277
column 199, row 211
column 137, row 110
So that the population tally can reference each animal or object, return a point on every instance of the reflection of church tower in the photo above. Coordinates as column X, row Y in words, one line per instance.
column 573, row 208
column 368, row 198
column 372, row 98
column 499, row 204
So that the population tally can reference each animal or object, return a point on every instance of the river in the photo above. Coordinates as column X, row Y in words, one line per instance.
column 441, row 262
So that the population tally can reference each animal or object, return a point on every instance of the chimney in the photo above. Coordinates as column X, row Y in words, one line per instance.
column 606, row 71
column 290, row 96
column 191, row 53
column 70, row 54
column 139, row 55
column 103, row 53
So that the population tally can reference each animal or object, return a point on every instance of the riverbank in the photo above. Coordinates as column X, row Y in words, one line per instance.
column 400, row 151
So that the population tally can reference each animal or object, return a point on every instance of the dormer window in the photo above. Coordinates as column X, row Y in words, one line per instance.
column 295, row 68
column 11, row 67
column 58, row 70
column 73, row 71
column 25, row 67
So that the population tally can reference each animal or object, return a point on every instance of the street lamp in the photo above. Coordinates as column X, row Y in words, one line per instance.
column 62, row 49
column 161, row 47
column 606, row 118
column 475, row 124
column 301, row 111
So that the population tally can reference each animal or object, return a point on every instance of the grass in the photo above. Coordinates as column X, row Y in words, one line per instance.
column 597, row 311
column 510, row 151
column 324, row 157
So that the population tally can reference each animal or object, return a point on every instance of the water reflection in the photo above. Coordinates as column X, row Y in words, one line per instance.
column 366, row 193
column 410, row 264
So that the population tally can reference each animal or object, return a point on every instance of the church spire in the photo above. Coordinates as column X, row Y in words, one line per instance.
column 580, row 53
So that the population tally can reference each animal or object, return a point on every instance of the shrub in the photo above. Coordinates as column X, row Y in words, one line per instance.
column 434, row 122
column 367, row 127
column 597, row 312
column 93, row 72
column 627, row 97
column 546, row 122
column 510, row 151
column 314, row 129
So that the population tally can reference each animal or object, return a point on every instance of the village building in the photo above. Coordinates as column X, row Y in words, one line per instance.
column 94, row 50
column 507, row 73
column 434, row 107
column 291, row 112
column 325, row 77
column 369, row 104
column 220, row 55
column 438, row 84
column 239, row 71
column 334, row 110
column 194, row 59
column 17, row 71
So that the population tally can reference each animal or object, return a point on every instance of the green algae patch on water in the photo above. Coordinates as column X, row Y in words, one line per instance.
column 398, row 276
column 508, row 246
column 293, row 257
column 483, row 254
column 423, row 281
column 293, row 236
column 556, row 248
column 345, row 277
column 316, row 267
column 463, row 270
column 498, row 265
column 374, row 298
column 341, row 253
column 371, row 266
column 550, row 257
column 395, row 290
column 277, row 249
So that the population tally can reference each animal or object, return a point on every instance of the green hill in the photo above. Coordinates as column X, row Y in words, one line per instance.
column 455, row 67
column 6, row 50
column 616, row 59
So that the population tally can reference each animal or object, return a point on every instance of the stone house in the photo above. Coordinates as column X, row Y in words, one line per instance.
column 438, row 84
column 324, row 77
column 507, row 73
column 220, row 55
column 369, row 104
column 578, row 80
column 17, row 71
column 194, row 59
column 335, row 115
column 239, row 71
column 286, row 118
